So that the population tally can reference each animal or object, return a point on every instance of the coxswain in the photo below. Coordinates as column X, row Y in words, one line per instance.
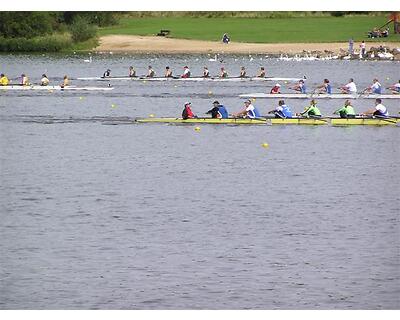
column 186, row 72
column 150, row 73
column 206, row 73
column 311, row 110
column 187, row 112
column 395, row 88
column 24, row 80
column 168, row 72
column 218, row 111
column 107, row 73
column 282, row 110
column 379, row 111
column 276, row 89
column 65, row 82
column 249, row 111
column 242, row 72
column 347, row 111
column 325, row 87
column 375, row 87
column 350, row 87
column 300, row 87
column 3, row 80
column 44, row 81
column 132, row 72
column 223, row 73
column 261, row 73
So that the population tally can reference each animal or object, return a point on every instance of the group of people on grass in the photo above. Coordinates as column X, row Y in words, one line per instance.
column 283, row 111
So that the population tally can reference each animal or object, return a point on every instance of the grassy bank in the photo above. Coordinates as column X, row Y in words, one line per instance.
column 258, row 30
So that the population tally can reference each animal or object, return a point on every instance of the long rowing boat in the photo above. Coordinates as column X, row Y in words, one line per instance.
column 50, row 88
column 277, row 121
column 318, row 96
column 217, row 79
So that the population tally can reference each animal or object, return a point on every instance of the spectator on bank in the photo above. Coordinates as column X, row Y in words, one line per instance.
column 225, row 38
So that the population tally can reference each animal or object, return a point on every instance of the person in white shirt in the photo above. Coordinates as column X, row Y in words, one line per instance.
column 375, row 87
column 379, row 111
column 350, row 87
column 186, row 72
column 45, row 81
column 249, row 111
column 395, row 88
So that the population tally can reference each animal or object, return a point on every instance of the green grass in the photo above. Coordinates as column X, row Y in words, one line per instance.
column 278, row 30
column 85, row 45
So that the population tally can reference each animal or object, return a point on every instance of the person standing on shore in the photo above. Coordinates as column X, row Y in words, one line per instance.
column 351, row 46
column 3, row 80
column 363, row 49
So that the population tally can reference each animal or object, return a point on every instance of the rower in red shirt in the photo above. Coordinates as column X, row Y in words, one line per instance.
column 276, row 89
column 187, row 112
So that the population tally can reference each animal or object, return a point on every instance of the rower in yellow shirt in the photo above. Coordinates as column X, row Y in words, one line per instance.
column 65, row 82
column 3, row 80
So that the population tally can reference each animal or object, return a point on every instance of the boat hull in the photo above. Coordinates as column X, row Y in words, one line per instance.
column 317, row 96
column 195, row 79
column 204, row 120
column 50, row 88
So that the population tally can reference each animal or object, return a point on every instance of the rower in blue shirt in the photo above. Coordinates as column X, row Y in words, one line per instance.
column 300, row 87
column 325, row 87
column 282, row 110
column 218, row 111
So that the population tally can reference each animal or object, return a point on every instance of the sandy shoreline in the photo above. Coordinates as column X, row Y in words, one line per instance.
column 147, row 44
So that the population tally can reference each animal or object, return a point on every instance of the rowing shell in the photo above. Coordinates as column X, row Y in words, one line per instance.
column 69, row 88
column 318, row 96
column 277, row 121
column 231, row 79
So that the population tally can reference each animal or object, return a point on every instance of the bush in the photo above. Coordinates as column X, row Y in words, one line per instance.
column 52, row 43
column 26, row 24
column 82, row 30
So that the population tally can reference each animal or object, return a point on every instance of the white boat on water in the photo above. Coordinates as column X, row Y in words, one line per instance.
column 216, row 79
column 51, row 88
column 318, row 96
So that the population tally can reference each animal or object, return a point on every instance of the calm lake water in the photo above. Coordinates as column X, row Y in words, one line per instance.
column 136, row 216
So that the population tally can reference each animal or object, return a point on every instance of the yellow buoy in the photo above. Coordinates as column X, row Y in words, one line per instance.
column 210, row 92
column 387, row 78
column 175, row 86
column 151, row 115
column 113, row 106
column 253, row 99
column 265, row 145
column 80, row 98
column 286, row 82
column 144, row 81
column 197, row 128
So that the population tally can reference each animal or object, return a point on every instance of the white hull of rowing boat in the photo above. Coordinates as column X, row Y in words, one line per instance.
column 70, row 88
column 233, row 79
column 317, row 96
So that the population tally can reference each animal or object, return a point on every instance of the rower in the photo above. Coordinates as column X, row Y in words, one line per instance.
column 187, row 112
column 282, row 110
column 206, row 73
column 107, row 73
column 395, row 88
column 375, row 87
column 249, row 111
column 347, row 111
column 261, row 73
column 276, row 89
column 300, row 87
column 150, row 73
column 44, row 81
column 379, row 111
column 325, row 87
column 168, row 72
column 65, row 82
column 242, row 72
column 218, row 111
column 311, row 110
column 24, row 80
column 132, row 72
column 223, row 73
column 3, row 80
column 350, row 87
column 186, row 72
